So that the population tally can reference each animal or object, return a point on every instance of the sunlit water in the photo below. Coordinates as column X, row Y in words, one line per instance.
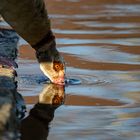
column 100, row 41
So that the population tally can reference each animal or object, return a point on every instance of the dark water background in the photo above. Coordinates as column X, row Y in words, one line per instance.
column 100, row 41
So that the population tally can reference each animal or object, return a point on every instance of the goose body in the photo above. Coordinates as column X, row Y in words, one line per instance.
column 30, row 20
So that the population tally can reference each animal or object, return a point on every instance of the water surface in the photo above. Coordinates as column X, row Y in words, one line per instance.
column 100, row 41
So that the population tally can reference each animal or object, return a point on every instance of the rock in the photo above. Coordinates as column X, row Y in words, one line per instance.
column 9, row 98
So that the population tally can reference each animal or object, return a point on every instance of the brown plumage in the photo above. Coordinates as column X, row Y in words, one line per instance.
column 30, row 19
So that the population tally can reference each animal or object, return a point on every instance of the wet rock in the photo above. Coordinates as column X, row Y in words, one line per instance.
column 8, row 92
column 8, row 43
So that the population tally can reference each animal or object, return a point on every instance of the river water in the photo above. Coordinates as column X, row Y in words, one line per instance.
column 100, row 42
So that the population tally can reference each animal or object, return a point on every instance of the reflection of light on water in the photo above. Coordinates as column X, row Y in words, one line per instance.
column 74, row 31
column 101, row 54
column 128, row 42
column 125, row 8
column 58, row 16
column 101, row 24
column 91, row 32
column 74, row 41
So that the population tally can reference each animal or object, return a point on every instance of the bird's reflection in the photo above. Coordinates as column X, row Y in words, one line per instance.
column 36, row 125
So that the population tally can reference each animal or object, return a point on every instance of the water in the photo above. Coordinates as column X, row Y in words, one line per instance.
column 100, row 41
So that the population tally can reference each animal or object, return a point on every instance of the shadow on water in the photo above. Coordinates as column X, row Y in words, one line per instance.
column 36, row 125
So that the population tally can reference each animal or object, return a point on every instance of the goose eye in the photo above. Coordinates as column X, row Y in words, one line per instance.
column 57, row 66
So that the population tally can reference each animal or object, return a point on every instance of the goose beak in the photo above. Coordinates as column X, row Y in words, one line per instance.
column 59, row 81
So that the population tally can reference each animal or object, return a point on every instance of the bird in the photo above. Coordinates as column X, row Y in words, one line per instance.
column 31, row 21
